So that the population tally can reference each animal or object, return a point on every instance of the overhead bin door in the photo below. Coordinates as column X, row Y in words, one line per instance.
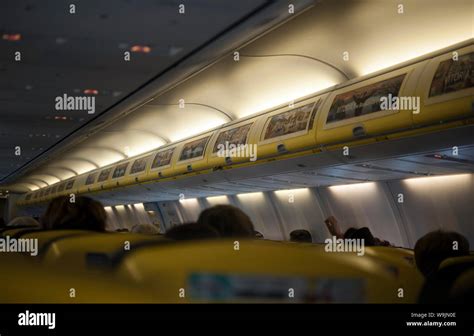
column 446, row 88
column 192, row 155
column 289, row 129
column 162, row 163
column 137, row 170
column 233, row 144
column 371, row 107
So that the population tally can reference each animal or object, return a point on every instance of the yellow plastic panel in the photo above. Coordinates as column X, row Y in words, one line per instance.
column 402, row 263
column 118, row 174
column 137, row 170
column 191, row 154
column 103, row 179
column 214, row 271
column 289, row 129
column 29, row 282
column 355, row 111
column 89, row 252
column 233, row 144
column 161, row 164
column 446, row 88
column 46, row 236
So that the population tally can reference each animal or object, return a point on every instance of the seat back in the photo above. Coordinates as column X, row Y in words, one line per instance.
column 256, row 271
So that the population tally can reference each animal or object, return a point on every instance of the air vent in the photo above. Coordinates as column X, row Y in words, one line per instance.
column 189, row 168
column 228, row 160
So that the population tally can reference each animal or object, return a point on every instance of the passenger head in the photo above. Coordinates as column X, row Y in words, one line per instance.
column 145, row 229
column 362, row 234
column 192, row 231
column 82, row 214
column 228, row 221
column 301, row 236
column 2, row 222
column 24, row 221
column 349, row 232
column 258, row 235
column 434, row 247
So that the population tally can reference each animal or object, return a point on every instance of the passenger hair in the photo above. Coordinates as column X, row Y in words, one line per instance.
column 301, row 236
column 363, row 234
column 83, row 214
column 24, row 221
column 228, row 221
column 145, row 229
column 436, row 246
column 192, row 231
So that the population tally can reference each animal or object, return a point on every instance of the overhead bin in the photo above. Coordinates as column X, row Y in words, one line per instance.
column 389, row 105
column 191, row 154
column 446, row 87
column 367, row 108
column 137, row 170
column 233, row 144
column 259, row 271
column 289, row 129
column 162, row 163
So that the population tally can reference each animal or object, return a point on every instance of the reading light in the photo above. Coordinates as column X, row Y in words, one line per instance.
column 11, row 37
column 91, row 91
column 141, row 49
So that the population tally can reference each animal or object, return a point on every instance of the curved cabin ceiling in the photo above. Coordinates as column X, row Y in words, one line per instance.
column 300, row 57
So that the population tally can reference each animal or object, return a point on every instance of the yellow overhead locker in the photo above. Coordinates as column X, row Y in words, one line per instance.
column 233, row 144
column 161, row 164
column 446, row 87
column 137, row 170
column 191, row 154
column 288, row 129
column 379, row 105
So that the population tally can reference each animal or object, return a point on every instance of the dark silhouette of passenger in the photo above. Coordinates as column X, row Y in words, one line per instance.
column 434, row 247
column 24, row 221
column 82, row 214
column 430, row 251
column 192, row 231
column 354, row 233
column 2, row 222
column 301, row 236
column 258, row 235
column 228, row 221
column 145, row 229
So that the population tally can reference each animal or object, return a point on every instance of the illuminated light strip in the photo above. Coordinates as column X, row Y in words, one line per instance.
column 285, row 191
column 251, row 194
column 184, row 200
column 439, row 178
column 353, row 186
column 215, row 198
